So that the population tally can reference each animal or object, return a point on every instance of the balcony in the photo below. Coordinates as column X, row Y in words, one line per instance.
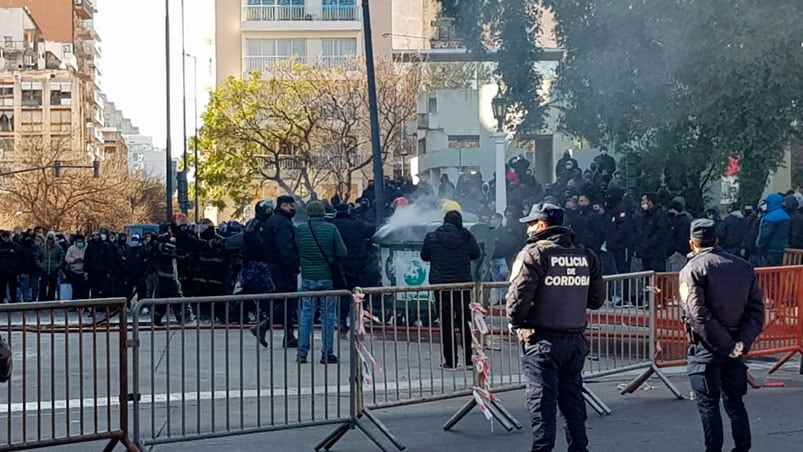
column 266, row 63
column 300, row 17
column 85, row 9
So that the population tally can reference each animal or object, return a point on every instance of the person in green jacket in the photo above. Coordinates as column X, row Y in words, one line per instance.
column 319, row 244
column 49, row 261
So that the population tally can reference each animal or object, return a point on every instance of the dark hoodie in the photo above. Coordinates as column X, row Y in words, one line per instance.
column 450, row 250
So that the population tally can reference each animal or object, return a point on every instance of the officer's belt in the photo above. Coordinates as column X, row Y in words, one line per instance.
column 555, row 334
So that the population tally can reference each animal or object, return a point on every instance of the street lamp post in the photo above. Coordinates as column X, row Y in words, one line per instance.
column 195, row 142
column 499, row 105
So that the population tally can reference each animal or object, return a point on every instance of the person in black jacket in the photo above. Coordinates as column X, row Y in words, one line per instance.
column 679, row 222
column 733, row 228
column 10, row 266
column 795, row 222
column 450, row 250
column 652, row 230
column 752, row 221
column 285, row 263
column 723, row 309
column 137, row 264
column 355, row 234
column 96, row 266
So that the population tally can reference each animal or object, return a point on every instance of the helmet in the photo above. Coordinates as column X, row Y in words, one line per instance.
column 178, row 219
column 451, row 205
column 263, row 209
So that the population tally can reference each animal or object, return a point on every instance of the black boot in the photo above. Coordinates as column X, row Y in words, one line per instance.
column 259, row 332
column 290, row 340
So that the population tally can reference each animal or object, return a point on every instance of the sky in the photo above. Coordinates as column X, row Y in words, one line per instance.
column 133, row 61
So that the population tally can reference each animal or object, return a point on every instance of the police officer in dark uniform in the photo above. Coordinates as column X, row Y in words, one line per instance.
column 553, row 282
column 171, row 261
column 724, row 313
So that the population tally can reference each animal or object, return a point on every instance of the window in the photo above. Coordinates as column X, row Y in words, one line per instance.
column 6, row 146
column 261, row 54
column 275, row 10
column 6, row 96
column 464, row 141
column 422, row 146
column 31, row 94
column 336, row 52
column 432, row 105
column 31, row 121
column 60, row 93
column 6, row 121
column 339, row 10
column 60, row 120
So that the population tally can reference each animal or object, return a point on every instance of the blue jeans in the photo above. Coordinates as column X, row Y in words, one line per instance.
column 727, row 380
column 553, row 368
column 328, row 318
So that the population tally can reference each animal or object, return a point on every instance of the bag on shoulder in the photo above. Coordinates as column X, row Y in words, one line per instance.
column 335, row 269
column 6, row 363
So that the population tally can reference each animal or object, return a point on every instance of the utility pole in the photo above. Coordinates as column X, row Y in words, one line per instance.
column 376, row 150
column 183, row 203
column 168, row 150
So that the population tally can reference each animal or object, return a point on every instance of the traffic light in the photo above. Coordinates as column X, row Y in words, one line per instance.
column 95, row 169
column 182, row 187
column 57, row 168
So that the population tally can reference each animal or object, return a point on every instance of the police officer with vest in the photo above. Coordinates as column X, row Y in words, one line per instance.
column 553, row 282
column 724, row 313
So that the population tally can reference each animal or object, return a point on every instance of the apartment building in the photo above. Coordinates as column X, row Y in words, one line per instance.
column 41, row 91
column 253, row 35
column 68, row 32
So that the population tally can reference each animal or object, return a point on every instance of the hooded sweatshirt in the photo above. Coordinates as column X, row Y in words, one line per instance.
column 450, row 250
column 773, row 233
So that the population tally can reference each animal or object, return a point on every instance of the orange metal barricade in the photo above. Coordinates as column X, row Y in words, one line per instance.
column 783, row 326
column 792, row 256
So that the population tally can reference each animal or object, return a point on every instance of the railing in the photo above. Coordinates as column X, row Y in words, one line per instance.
column 299, row 13
column 70, row 377
column 266, row 63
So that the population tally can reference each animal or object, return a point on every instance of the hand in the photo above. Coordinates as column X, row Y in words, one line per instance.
column 524, row 334
column 738, row 350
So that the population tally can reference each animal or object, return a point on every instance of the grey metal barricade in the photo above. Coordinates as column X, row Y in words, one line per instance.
column 406, row 339
column 203, row 378
column 69, row 383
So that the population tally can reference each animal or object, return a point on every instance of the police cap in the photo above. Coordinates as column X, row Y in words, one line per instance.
column 545, row 211
column 703, row 229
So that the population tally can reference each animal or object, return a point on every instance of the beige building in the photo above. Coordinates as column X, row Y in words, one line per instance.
column 41, row 91
column 253, row 35
column 68, row 33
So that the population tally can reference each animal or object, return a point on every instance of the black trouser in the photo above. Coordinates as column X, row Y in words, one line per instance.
column 656, row 264
column 47, row 286
column 79, row 284
column 211, row 289
column 98, row 285
column 553, row 368
column 352, row 280
column 285, row 310
column 168, row 287
column 454, row 312
column 8, row 281
column 727, row 380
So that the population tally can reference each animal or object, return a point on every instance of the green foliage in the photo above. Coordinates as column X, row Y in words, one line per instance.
column 509, row 28
column 684, row 83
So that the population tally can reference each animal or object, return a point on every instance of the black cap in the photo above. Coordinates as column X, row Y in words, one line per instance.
column 285, row 199
column 340, row 208
column 545, row 211
column 703, row 229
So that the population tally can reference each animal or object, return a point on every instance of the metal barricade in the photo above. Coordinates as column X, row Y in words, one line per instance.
column 200, row 378
column 783, row 307
column 792, row 256
column 406, row 339
column 70, row 378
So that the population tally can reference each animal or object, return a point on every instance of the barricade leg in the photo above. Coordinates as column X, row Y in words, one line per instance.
column 595, row 402
column 357, row 407
column 785, row 359
column 653, row 369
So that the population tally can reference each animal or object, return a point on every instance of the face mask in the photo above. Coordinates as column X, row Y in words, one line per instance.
column 645, row 206
column 103, row 236
column 79, row 245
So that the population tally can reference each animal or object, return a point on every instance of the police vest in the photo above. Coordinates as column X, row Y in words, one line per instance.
column 561, row 297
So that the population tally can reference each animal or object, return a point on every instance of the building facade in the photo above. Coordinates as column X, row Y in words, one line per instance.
column 254, row 35
column 69, row 43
